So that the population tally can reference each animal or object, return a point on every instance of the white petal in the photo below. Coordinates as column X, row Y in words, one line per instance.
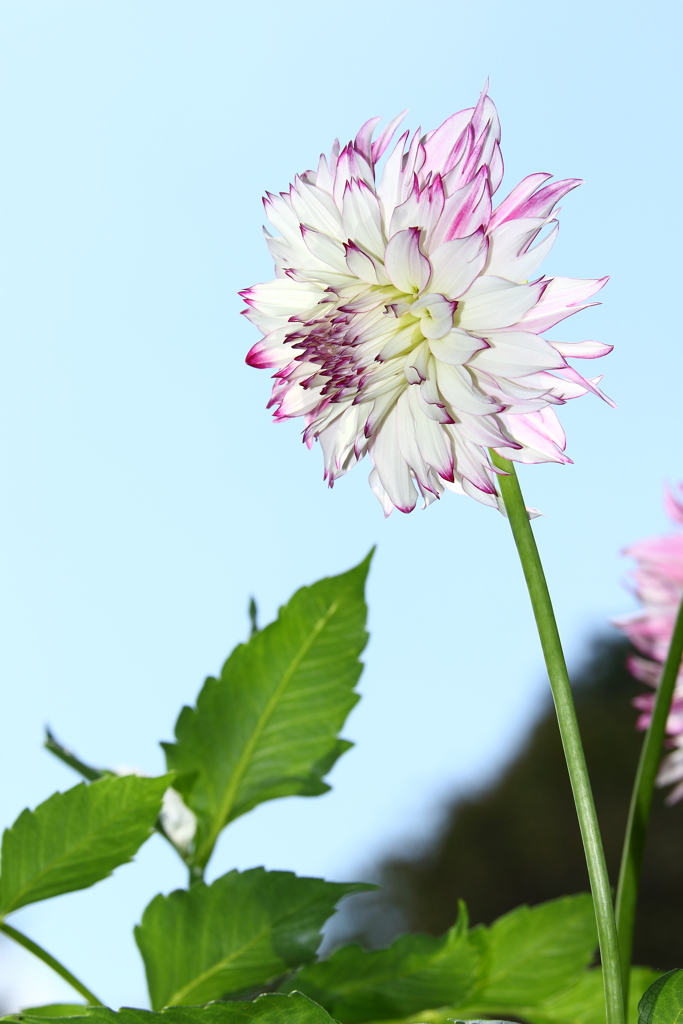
column 407, row 269
column 360, row 265
column 324, row 248
column 508, row 244
column 283, row 297
column 456, row 264
column 407, row 441
column 457, row 387
column 316, row 209
column 379, row 492
column 283, row 218
column 582, row 349
column 457, row 347
column 517, row 197
column 541, row 435
column 421, row 209
column 486, row 431
column 515, row 354
column 440, row 143
column 432, row 440
column 492, row 302
column 392, row 183
column 561, row 297
column 362, row 219
column 415, row 366
column 435, row 313
column 391, row 467
column 526, row 265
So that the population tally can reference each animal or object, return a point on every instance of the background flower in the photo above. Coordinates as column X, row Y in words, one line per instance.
column 658, row 585
column 405, row 321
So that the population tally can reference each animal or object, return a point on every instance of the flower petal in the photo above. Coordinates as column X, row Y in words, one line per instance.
column 457, row 263
column 516, row 354
column 407, row 268
column 492, row 303
column 457, row 347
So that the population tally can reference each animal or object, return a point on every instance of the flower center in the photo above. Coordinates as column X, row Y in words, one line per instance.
column 435, row 313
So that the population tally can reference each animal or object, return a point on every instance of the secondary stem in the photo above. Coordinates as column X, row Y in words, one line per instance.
column 47, row 958
column 569, row 732
column 641, row 802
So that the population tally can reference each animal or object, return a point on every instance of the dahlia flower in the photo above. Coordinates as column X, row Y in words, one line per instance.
column 405, row 319
column 658, row 585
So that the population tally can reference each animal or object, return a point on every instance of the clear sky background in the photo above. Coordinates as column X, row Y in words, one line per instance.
column 145, row 493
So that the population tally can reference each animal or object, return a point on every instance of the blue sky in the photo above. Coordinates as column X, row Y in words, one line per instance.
column 146, row 494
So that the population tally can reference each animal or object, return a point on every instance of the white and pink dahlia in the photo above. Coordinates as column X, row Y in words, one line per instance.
column 658, row 585
column 405, row 320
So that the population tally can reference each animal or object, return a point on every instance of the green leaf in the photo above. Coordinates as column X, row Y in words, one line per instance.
column 663, row 1001
column 535, row 952
column 267, row 727
column 415, row 972
column 268, row 1009
column 77, row 838
column 527, row 956
column 57, row 1010
column 244, row 930
column 584, row 1002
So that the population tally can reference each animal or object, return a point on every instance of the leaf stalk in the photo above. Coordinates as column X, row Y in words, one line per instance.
column 569, row 731
column 47, row 958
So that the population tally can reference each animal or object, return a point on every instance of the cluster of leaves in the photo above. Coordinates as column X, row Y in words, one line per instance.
column 247, row 944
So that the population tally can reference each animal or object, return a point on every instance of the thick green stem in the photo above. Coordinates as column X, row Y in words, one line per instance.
column 47, row 958
column 569, row 732
column 641, row 802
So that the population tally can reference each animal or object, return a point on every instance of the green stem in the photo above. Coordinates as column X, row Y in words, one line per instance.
column 641, row 802
column 569, row 732
column 47, row 958
column 196, row 873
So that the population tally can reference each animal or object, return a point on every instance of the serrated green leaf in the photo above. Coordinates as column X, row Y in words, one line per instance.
column 267, row 1009
column 77, row 838
column 57, row 1010
column 525, row 957
column 244, row 930
column 535, row 952
column 584, row 1001
column 663, row 1001
column 415, row 972
column 581, row 1003
column 267, row 727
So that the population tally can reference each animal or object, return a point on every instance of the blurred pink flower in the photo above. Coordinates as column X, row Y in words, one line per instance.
column 658, row 585
column 405, row 319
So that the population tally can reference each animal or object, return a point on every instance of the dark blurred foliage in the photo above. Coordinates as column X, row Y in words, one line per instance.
column 517, row 841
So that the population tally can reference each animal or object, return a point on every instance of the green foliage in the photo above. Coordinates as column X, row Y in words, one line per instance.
column 525, row 957
column 268, row 1009
column 57, row 1010
column 538, row 949
column 415, row 972
column 663, row 1001
column 77, row 838
column 267, row 727
column 244, row 930
column 584, row 1002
